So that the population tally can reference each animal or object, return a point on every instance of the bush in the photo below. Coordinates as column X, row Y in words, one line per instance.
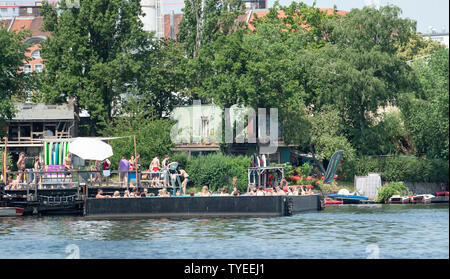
column 217, row 170
column 393, row 188
column 407, row 169
column 181, row 157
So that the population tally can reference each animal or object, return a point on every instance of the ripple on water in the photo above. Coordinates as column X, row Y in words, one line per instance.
column 337, row 232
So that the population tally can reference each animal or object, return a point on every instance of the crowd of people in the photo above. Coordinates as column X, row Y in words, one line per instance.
column 159, row 174
column 297, row 190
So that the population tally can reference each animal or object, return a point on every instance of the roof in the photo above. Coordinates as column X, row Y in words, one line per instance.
column 41, row 111
column 261, row 13
column 33, row 24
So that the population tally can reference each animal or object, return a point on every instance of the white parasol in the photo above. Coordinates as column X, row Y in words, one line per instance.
column 90, row 149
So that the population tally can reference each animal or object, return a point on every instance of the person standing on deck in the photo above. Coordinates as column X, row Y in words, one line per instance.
column 124, row 166
column 21, row 167
column 186, row 179
column 165, row 161
column 97, row 175
column 132, row 163
column 36, row 169
column 137, row 162
column 154, row 167
column 68, row 166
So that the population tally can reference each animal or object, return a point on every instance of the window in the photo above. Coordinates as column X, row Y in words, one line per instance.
column 27, row 68
column 205, row 128
column 38, row 68
column 36, row 54
column 3, row 10
column 29, row 10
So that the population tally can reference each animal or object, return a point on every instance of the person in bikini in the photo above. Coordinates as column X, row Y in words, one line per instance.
column 21, row 167
column 186, row 179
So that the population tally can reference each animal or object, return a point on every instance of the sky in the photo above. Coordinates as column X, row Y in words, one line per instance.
column 425, row 12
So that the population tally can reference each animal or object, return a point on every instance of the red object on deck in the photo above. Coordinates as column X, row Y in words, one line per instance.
column 309, row 186
column 333, row 202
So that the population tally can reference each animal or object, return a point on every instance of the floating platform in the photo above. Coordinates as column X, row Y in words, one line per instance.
column 440, row 199
column 186, row 207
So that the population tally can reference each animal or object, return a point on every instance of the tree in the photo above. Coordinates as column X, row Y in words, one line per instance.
column 359, row 72
column 417, row 47
column 206, row 20
column 152, row 137
column 161, row 84
column 13, row 80
column 319, row 132
column 427, row 111
column 93, row 55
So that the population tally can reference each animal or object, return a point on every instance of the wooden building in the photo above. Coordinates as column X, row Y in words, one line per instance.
column 36, row 122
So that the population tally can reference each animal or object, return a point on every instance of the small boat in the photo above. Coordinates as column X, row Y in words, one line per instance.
column 330, row 202
column 353, row 197
column 349, row 199
column 397, row 199
column 426, row 198
column 442, row 194
column 11, row 211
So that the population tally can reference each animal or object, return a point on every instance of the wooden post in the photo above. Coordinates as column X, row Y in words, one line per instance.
column 135, row 155
column 5, row 179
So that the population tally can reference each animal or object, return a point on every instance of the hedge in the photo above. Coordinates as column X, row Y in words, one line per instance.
column 215, row 170
column 406, row 169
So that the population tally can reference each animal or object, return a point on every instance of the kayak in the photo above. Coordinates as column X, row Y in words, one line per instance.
column 348, row 197
column 11, row 211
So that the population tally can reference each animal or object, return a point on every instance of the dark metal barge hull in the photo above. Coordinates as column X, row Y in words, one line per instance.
column 186, row 207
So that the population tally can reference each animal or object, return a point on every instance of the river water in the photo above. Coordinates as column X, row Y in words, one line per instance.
column 345, row 231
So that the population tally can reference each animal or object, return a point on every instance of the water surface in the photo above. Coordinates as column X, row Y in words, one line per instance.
column 346, row 231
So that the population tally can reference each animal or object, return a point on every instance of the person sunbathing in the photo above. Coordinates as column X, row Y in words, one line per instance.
column 224, row 192
column 259, row 192
column 13, row 184
column 116, row 194
column 126, row 194
column 302, row 191
column 163, row 193
column 100, row 195
column 205, row 192
column 279, row 191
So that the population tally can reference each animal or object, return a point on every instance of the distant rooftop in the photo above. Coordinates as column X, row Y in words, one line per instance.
column 41, row 111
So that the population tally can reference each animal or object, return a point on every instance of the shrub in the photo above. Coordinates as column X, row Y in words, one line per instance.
column 407, row 169
column 217, row 170
column 393, row 188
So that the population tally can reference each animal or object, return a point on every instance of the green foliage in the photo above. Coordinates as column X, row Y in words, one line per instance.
column 163, row 74
column 407, row 169
column 393, row 188
column 306, row 169
column 418, row 46
column 13, row 81
column 427, row 111
column 152, row 138
column 388, row 136
column 206, row 20
column 217, row 170
column 181, row 157
column 93, row 55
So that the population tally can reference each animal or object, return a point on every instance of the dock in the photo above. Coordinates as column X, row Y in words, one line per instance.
column 188, row 207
